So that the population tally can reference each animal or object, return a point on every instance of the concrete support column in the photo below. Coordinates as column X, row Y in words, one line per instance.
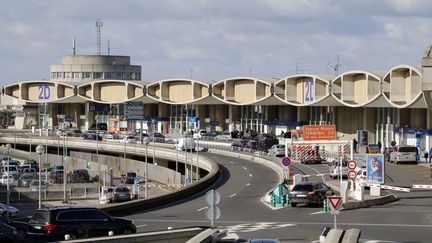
column 230, row 118
column 89, row 117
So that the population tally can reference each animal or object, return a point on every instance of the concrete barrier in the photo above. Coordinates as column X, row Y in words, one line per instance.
column 204, row 236
column 172, row 236
column 351, row 236
column 334, row 236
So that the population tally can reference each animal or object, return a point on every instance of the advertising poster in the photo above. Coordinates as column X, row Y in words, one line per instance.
column 375, row 168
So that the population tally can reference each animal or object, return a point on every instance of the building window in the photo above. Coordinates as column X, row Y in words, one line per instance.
column 60, row 75
column 67, row 75
column 109, row 76
column 126, row 76
column 97, row 75
column 138, row 76
column 118, row 75
column 133, row 76
column 77, row 75
column 87, row 75
column 53, row 75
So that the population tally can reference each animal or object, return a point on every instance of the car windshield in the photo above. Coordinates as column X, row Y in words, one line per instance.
column 40, row 217
column 121, row 189
column 303, row 187
column 408, row 149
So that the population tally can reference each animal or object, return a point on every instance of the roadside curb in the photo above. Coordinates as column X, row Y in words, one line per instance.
column 369, row 203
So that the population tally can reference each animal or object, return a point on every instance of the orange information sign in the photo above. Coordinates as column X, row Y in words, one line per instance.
column 319, row 132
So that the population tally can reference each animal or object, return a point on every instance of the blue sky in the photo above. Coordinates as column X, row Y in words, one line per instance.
column 215, row 39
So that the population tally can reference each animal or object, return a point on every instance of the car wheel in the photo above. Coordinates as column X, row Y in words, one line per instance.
column 127, row 231
column 73, row 235
column 21, row 234
column 293, row 204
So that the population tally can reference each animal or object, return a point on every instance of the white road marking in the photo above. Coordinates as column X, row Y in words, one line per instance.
column 250, row 175
column 244, row 168
column 139, row 226
column 233, row 195
column 231, row 162
column 201, row 209
column 248, row 184
column 319, row 212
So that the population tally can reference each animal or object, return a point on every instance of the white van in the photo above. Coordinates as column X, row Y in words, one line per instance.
column 404, row 154
column 334, row 169
column 185, row 144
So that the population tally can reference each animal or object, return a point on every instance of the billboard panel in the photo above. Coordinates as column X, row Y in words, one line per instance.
column 375, row 168
column 319, row 132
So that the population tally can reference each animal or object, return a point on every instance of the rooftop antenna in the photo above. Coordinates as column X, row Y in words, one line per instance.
column 99, row 25
column 336, row 66
column 109, row 48
column 73, row 46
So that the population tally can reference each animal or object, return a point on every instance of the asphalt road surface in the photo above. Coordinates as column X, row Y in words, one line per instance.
column 245, row 182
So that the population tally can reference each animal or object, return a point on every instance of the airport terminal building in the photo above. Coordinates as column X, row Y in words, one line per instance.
column 83, row 90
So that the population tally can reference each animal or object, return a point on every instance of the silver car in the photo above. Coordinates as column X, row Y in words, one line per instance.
column 34, row 185
column 277, row 150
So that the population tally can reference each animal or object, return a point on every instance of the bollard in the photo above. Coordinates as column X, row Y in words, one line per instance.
column 110, row 233
column 67, row 237
column 283, row 201
column 272, row 200
column 326, row 206
column 287, row 199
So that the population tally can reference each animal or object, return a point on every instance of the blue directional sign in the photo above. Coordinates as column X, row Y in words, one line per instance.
column 137, row 180
column 309, row 95
column 189, row 180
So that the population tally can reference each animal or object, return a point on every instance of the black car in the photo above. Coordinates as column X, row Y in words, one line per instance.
column 128, row 178
column 21, row 227
column 92, row 136
column 238, row 144
column 309, row 192
column 77, row 222
column 8, row 234
column 79, row 176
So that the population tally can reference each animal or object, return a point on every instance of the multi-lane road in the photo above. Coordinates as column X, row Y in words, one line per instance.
column 243, row 185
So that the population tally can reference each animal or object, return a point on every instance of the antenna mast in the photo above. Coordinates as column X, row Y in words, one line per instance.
column 109, row 48
column 99, row 24
column 73, row 46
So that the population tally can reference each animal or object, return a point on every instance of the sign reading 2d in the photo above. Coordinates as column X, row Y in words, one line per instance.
column 309, row 94
column 44, row 92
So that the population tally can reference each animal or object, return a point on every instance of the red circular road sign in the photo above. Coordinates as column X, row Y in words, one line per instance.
column 352, row 175
column 352, row 164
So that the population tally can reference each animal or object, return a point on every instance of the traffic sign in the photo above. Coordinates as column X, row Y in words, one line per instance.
column 213, row 213
column 352, row 164
column 286, row 161
column 352, row 175
column 334, row 202
column 212, row 197
column 137, row 180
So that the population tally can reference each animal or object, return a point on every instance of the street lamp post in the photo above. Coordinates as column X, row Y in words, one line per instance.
column 146, row 142
column 40, row 150
column 8, row 147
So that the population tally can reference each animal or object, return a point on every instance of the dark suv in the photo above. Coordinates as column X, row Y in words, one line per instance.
column 78, row 222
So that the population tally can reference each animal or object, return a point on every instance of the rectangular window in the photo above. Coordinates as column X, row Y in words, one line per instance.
column 60, row 75
column 133, row 76
column 87, row 75
column 67, row 75
column 53, row 75
column 118, row 75
column 126, row 76
column 97, row 75
column 109, row 76
column 77, row 75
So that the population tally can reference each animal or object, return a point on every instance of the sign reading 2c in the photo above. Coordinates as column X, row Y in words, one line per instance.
column 309, row 91
column 44, row 92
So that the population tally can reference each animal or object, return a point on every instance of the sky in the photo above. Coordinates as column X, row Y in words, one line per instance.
column 216, row 39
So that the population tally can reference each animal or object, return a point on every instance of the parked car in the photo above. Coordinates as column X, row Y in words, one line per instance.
column 404, row 154
column 128, row 140
column 199, row 134
column 11, row 162
column 25, row 179
column 5, row 178
column 78, row 222
column 5, row 210
column 210, row 135
column 309, row 192
column 128, row 178
column 29, row 171
column 34, row 185
column 79, row 176
column 20, row 227
column 277, row 150
column 8, row 233
column 251, row 145
column 11, row 170
column 107, row 195
column 224, row 136
column 122, row 193
column 238, row 144
column 92, row 136
column 185, row 144
column 266, row 142
column 57, row 168
column 112, row 135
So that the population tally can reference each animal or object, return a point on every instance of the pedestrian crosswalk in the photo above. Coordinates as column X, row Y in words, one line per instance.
column 251, row 227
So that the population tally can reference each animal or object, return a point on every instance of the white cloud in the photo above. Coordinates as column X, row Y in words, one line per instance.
column 186, row 53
